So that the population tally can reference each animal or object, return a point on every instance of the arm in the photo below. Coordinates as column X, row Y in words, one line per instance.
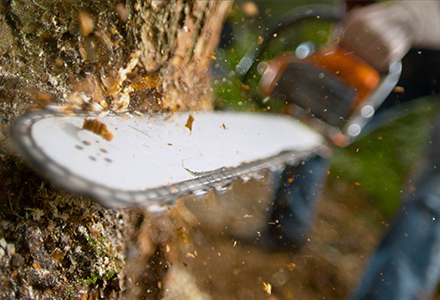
column 383, row 32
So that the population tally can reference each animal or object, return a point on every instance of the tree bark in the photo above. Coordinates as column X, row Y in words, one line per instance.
column 99, row 55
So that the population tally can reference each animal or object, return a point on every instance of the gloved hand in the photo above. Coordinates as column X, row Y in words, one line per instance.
column 384, row 32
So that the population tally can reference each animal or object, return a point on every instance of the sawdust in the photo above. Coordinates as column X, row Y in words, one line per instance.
column 345, row 233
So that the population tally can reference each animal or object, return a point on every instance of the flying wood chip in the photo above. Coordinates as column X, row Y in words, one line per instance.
column 189, row 122
column 399, row 89
column 267, row 287
column 99, row 128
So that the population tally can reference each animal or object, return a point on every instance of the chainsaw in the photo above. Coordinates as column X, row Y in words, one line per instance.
column 125, row 160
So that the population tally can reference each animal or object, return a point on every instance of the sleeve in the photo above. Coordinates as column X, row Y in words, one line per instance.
column 383, row 32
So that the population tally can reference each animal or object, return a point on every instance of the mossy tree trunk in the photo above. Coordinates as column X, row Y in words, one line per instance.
column 100, row 55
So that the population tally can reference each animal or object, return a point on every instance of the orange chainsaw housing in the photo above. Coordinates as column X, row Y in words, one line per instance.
column 346, row 66
column 350, row 69
column 329, row 85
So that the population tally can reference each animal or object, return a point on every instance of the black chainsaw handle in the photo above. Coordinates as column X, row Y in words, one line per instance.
column 317, row 11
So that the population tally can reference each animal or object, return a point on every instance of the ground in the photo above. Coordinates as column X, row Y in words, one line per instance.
column 345, row 234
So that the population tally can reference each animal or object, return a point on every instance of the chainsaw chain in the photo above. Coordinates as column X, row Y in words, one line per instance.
column 219, row 180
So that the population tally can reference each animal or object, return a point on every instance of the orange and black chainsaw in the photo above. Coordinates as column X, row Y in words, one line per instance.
column 330, row 89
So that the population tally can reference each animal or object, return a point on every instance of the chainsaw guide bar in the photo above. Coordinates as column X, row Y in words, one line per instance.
column 125, row 160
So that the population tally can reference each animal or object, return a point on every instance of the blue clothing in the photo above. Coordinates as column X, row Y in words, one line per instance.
column 293, row 210
column 407, row 262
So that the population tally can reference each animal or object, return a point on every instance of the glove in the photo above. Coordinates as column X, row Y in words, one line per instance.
column 384, row 32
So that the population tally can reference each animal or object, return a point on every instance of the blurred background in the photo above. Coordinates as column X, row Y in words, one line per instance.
column 366, row 182
column 379, row 165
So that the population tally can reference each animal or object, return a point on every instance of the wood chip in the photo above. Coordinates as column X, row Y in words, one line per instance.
column 99, row 128
column 87, row 23
column 399, row 89
column 189, row 122
column 267, row 287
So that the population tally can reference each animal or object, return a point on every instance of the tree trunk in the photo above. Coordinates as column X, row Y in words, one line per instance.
column 100, row 55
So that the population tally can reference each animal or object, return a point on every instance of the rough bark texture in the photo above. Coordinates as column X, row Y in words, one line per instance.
column 100, row 55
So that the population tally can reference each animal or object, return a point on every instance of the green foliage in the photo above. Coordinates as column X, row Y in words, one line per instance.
column 382, row 162
column 247, row 32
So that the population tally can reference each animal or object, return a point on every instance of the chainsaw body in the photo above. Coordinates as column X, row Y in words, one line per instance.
column 331, row 90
